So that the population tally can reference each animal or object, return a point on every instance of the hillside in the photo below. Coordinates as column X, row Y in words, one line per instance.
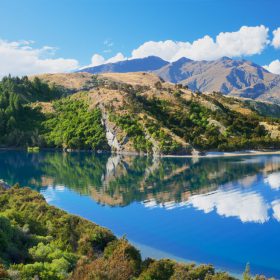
column 140, row 113
column 235, row 77
column 228, row 76
column 39, row 241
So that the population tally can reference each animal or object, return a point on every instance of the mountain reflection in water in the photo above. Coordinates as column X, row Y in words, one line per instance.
column 224, row 211
column 243, row 187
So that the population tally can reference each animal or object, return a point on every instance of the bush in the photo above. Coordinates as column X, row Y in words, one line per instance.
column 121, row 261
column 74, row 126
column 42, row 240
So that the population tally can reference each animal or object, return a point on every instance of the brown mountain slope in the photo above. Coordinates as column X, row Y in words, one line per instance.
column 228, row 76
column 235, row 77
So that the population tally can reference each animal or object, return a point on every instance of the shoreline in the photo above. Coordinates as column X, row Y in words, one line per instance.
column 150, row 252
column 225, row 154
column 209, row 154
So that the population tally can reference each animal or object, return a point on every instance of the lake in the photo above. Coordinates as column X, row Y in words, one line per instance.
column 223, row 211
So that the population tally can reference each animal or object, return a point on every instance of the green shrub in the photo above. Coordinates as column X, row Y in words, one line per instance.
column 74, row 126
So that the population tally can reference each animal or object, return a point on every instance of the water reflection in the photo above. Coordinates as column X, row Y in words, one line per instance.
column 247, row 206
column 244, row 188
column 224, row 211
column 273, row 180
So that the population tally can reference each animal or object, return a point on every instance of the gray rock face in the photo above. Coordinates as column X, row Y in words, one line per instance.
column 111, row 134
column 234, row 77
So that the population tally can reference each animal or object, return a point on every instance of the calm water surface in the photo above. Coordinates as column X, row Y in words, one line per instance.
column 224, row 211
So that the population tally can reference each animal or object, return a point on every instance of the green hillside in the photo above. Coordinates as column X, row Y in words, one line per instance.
column 132, row 112
column 39, row 241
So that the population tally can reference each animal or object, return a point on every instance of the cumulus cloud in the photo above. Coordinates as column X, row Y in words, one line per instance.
column 246, row 41
column 273, row 67
column 98, row 59
column 21, row 58
column 233, row 204
column 118, row 57
column 276, row 38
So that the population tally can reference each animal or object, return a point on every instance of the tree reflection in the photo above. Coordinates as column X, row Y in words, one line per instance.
column 118, row 180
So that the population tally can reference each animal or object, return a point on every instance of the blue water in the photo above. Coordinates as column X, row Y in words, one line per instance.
column 224, row 211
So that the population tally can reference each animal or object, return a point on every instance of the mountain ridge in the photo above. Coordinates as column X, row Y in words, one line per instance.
column 149, row 63
column 241, row 78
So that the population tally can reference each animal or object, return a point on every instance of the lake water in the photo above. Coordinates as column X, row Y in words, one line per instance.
column 224, row 211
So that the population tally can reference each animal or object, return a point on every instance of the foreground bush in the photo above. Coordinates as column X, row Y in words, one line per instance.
column 39, row 241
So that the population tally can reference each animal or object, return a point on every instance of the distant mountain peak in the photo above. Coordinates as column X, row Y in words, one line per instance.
column 226, row 75
column 152, row 57
column 146, row 64
column 181, row 61
column 224, row 58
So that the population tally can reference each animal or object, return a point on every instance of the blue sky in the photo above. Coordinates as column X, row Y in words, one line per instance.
column 78, row 29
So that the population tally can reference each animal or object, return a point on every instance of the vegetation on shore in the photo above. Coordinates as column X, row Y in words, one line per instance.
column 20, row 124
column 154, row 118
column 39, row 241
column 73, row 126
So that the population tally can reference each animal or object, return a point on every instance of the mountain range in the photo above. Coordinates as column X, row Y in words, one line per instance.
column 240, row 78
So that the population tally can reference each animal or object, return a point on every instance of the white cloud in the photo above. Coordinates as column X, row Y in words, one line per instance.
column 20, row 58
column 273, row 67
column 246, row 41
column 273, row 180
column 276, row 38
column 248, row 206
column 118, row 57
column 165, row 49
column 98, row 59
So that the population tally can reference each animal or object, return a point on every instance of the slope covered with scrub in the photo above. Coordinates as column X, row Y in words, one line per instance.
column 140, row 113
column 39, row 241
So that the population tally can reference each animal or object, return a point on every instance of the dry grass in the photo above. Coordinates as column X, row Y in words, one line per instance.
column 135, row 78
column 72, row 81
column 46, row 107
column 273, row 129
